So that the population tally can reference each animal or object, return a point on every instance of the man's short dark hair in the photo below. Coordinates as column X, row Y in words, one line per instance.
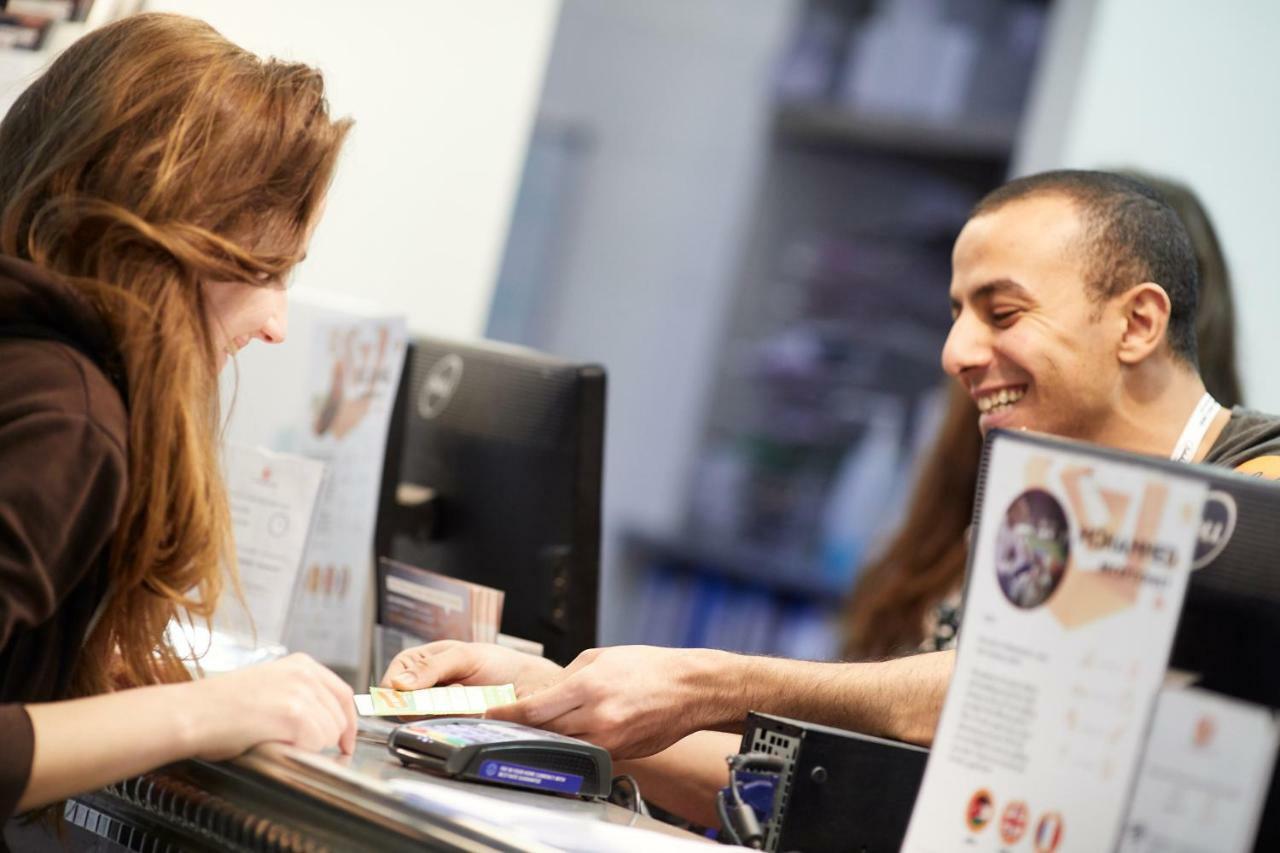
column 1131, row 235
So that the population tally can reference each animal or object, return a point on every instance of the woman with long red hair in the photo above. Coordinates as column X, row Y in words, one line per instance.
column 157, row 185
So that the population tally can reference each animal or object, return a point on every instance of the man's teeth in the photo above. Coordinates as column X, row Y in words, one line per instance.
column 1000, row 400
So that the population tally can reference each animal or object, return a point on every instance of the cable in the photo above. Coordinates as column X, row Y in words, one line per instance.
column 726, row 823
column 637, row 803
column 740, row 820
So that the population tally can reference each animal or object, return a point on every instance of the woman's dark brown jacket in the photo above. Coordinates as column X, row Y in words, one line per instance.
column 63, row 477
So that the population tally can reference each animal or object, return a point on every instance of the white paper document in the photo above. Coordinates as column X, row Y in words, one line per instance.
column 272, row 497
column 327, row 394
column 1077, row 578
column 1204, row 775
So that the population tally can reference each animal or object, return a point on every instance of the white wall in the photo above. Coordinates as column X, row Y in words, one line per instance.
column 1191, row 90
column 443, row 94
column 674, row 96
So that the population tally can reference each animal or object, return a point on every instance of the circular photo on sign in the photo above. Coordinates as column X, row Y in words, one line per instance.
column 1032, row 548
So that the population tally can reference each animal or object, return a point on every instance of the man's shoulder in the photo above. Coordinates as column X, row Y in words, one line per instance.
column 1249, row 443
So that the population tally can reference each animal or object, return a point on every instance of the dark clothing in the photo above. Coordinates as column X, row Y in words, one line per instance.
column 63, row 479
column 1247, row 436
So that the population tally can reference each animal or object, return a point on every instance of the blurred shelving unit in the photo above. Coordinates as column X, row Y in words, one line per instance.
column 890, row 120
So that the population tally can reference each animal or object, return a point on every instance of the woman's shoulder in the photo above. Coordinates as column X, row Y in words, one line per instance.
column 53, row 380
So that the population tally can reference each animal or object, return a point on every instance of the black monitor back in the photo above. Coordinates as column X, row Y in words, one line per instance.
column 493, row 475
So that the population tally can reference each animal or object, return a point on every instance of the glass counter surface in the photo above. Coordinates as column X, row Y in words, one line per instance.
column 277, row 798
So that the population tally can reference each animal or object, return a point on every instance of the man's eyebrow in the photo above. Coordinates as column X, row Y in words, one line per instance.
column 992, row 288
column 998, row 287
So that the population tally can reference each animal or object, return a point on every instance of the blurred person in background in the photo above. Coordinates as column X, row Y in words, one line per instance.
column 907, row 599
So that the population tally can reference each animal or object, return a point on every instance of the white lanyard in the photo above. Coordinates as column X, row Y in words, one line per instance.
column 1197, row 425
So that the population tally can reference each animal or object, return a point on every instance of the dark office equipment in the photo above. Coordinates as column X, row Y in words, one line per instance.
column 493, row 475
column 501, row 753
column 835, row 790
column 1229, row 630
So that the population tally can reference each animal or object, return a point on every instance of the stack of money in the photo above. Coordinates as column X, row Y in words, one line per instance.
column 454, row 700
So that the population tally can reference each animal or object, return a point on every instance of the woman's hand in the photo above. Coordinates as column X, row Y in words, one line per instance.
column 293, row 700
column 455, row 662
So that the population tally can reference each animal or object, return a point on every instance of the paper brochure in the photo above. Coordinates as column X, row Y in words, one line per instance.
column 1078, row 572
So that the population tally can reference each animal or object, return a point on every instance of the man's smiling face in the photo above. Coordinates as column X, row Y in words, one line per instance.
column 1029, row 343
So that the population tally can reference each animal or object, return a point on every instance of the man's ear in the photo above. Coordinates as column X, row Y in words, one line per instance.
column 1145, row 309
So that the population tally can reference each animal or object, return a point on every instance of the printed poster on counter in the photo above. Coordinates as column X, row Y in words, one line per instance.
column 327, row 394
column 272, row 497
column 1076, row 581
column 1205, row 775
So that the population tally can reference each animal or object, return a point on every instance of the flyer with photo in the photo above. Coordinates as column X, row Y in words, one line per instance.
column 1204, row 776
column 327, row 395
column 1076, row 580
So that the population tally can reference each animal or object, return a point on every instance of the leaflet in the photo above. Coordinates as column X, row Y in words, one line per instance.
column 1077, row 578
column 1204, row 776
column 271, row 496
column 327, row 395
column 432, row 606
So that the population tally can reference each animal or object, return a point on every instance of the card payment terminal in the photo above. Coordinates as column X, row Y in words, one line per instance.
column 503, row 753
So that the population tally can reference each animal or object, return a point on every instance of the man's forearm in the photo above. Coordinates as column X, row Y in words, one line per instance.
column 899, row 699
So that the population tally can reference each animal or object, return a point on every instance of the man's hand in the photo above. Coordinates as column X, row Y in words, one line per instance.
column 454, row 662
column 632, row 700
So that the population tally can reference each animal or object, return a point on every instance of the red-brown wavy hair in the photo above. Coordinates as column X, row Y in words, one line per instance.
column 151, row 159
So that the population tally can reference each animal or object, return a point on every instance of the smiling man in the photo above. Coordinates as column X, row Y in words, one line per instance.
column 1074, row 297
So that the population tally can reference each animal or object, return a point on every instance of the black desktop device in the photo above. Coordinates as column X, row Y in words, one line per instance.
column 496, row 752
column 493, row 475
column 832, row 790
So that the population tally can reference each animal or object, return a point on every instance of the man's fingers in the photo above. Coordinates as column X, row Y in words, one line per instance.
column 583, row 659
column 540, row 709
column 415, row 669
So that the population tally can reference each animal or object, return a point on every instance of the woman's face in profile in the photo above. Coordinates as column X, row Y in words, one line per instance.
column 239, row 312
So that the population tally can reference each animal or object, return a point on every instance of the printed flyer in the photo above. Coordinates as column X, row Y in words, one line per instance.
column 1076, row 580
column 272, row 496
column 1204, row 776
column 327, row 394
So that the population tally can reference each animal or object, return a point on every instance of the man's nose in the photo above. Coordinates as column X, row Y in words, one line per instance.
column 968, row 346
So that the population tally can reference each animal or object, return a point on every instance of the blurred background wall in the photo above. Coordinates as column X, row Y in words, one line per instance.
column 744, row 210
column 444, row 96
column 1191, row 91
column 746, row 213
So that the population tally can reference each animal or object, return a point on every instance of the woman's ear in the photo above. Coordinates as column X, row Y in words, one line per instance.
column 1145, row 309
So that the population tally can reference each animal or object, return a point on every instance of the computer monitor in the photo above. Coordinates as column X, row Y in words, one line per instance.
column 493, row 475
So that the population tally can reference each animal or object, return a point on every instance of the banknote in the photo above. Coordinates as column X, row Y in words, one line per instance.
column 456, row 699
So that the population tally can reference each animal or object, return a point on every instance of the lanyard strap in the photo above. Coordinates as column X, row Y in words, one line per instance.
column 1197, row 425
